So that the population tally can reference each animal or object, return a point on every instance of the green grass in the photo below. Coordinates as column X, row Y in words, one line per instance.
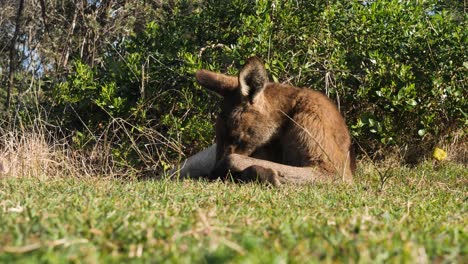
column 420, row 215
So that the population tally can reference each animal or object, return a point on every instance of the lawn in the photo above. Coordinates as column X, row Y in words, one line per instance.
column 420, row 215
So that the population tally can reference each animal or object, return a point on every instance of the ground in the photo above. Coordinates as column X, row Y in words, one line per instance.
column 418, row 215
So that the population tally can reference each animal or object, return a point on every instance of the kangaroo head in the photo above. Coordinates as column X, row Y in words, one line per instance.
column 245, row 122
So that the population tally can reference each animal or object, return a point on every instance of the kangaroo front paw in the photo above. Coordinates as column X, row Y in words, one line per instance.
column 261, row 174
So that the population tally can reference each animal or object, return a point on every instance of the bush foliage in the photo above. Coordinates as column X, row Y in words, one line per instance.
column 398, row 70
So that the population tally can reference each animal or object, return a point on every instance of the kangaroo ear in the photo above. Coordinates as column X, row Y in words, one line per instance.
column 217, row 82
column 252, row 78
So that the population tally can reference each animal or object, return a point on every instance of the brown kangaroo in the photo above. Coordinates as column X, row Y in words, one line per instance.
column 276, row 133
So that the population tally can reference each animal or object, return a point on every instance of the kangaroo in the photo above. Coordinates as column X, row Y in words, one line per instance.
column 274, row 132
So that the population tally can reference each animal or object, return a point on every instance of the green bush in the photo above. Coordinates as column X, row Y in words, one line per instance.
column 397, row 69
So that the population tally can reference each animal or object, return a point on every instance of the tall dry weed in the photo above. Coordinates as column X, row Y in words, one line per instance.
column 44, row 151
column 31, row 154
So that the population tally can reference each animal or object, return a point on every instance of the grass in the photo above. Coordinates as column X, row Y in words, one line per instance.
column 420, row 215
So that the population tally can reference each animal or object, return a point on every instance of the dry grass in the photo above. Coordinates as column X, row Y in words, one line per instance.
column 44, row 151
column 457, row 148
column 31, row 154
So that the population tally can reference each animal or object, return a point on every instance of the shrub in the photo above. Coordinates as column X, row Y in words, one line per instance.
column 397, row 69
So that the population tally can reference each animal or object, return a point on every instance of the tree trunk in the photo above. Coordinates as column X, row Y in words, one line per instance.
column 12, row 54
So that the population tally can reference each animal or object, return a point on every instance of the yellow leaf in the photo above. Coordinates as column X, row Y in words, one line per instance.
column 439, row 154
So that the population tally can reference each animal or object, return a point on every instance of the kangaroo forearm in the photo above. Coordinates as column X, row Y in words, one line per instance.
column 285, row 173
